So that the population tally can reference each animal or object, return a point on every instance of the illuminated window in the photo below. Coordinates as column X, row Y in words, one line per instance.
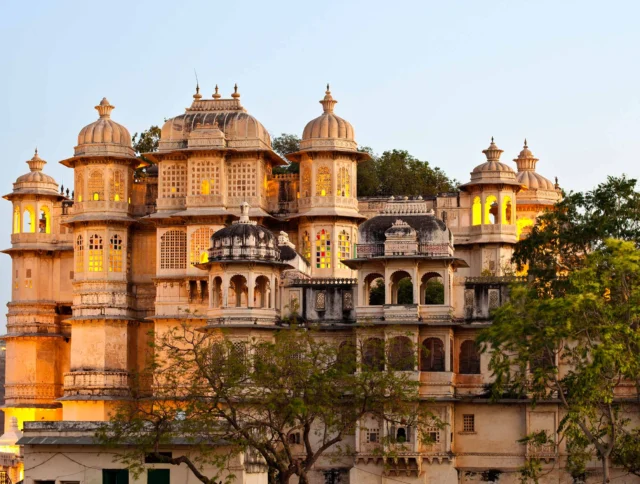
column 44, row 222
column 79, row 254
column 115, row 254
column 95, row 253
column 306, row 179
column 306, row 246
column 242, row 180
column 477, row 211
column 506, row 211
column 174, row 180
column 204, row 178
column 323, row 250
column 117, row 186
column 79, row 189
column 344, row 182
column 344, row 248
column 29, row 220
column 96, row 185
column 200, row 241
column 491, row 210
column 323, row 181
column 523, row 227
column 173, row 250
column 16, row 220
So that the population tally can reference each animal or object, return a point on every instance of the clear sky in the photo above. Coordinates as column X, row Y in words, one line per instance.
column 437, row 78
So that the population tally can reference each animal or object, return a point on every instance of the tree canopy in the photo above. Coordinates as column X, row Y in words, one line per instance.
column 147, row 141
column 289, row 400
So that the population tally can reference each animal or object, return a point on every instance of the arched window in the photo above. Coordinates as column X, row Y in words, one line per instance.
column 323, row 249
column 115, row 254
column 491, row 210
column 469, row 358
column 29, row 220
column 323, row 181
column 477, row 211
column 95, row 254
column 216, row 302
column 174, row 180
column 16, row 220
column 401, row 288
column 96, row 185
column 44, row 222
column 432, row 355
column 117, row 186
column 262, row 293
column 373, row 354
column 173, row 250
column 238, row 292
column 306, row 246
column 344, row 182
column 79, row 188
column 401, row 354
column 204, row 178
column 432, row 288
column 305, row 172
column 79, row 254
column 375, row 289
column 346, row 357
column 507, row 212
column 199, row 246
column 344, row 248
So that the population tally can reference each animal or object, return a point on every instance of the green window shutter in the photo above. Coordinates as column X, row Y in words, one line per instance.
column 115, row 476
column 158, row 476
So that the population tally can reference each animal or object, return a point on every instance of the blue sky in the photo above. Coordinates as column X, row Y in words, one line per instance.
column 437, row 78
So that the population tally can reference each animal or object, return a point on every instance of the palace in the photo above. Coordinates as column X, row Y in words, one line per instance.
column 204, row 227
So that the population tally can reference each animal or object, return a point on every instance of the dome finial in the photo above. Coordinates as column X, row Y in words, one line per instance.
column 328, row 102
column 104, row 108
column 36, row 163
column 244, row 213
column 216, row 94
column 197, row 96
column 525, row 160
column 525, row 143
column 236, row 94
column 492, row 152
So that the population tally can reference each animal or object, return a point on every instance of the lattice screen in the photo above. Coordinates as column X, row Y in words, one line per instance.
column 173, row 250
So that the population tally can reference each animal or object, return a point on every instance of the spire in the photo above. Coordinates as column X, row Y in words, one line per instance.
column 328, row 102
column 525, row 160
column 493, row 152
column 236, row 94
column 104, row 108
column 36, row 163
column 244, row 213
column 216, row 94
column 197, row 96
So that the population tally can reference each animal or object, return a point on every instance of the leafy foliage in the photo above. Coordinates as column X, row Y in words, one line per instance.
column 287, row 401
column 147, row 141
column 577, row 348
column 283, row 145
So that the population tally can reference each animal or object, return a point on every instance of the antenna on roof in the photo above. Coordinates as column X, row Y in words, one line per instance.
column 196, row 74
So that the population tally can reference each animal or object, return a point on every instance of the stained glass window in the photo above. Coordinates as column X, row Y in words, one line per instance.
column 344, row 248
column 115, row 254
column 323, row 181
column 323, row 249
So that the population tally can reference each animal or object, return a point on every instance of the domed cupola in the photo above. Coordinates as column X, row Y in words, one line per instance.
column 527, row 171
column 328, row 131
column 244, row 240
column 492, row 171
column 104, row 137
column 36, row 181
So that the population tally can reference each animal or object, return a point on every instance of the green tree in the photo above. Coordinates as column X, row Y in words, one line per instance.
column 290, row 401
column 368, row 181
column 577, row 225
column 147, row 141
column 577, row 349
column 283, row 145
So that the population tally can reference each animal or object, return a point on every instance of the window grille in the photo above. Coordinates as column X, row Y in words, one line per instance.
column 344, row 248
column 242, row 180
column 117, row 186
column 199, row 246
column 323, row 250
column 28, row 273
column 95, row 253
column 323, row 181
column 173, row 250
column 372, row 436
column 306, row 180
column 306, row 246
column 434, row 434
column 79, row 188
column 344, row 182
column 174, row 180
column 115, row 254
column 321, row 300
column 204, row 178
column 432, row 355
column 79, row 254
column 96, row 185
column 401, row 354
column 469, row 423
column 469, row 358
column 373, row 354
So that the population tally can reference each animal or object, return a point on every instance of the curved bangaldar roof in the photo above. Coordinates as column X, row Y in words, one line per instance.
column 213, row 124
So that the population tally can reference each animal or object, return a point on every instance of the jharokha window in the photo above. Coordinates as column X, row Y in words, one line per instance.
column 79, row 190
column 95, row 253
column 198, row 251
column 344, row 248
column 79, row 254
column 306, row 246
column 115, row 254
column 173, row 250
column 204, row 178
column 323, row 250
column 242, row 180
column 117, row 186
column 96, row 185
column 344, row 182
column 323, row 181
column 174, row 180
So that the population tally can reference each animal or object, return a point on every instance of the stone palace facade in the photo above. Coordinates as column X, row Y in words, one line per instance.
column 203, row 226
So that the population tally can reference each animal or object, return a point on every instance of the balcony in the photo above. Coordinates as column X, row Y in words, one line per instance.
column 32, row 393
column 492, row 233
column 437, row 383
column 231, row 316
column 546, row 452
column 96, row 383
